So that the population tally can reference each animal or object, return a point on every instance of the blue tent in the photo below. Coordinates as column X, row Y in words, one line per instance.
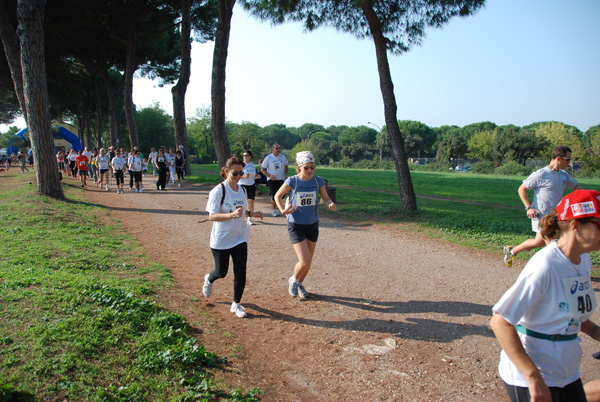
column 62, row 133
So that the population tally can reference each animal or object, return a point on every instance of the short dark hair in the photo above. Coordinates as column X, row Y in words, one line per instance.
column 249, row 153
column 562, row 151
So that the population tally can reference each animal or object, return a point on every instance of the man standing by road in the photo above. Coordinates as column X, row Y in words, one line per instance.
column 548, row 185
column 275, row 168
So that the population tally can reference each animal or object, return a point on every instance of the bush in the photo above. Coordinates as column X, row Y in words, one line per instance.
column 512, row 168
column 484, row 167
column 586, row 173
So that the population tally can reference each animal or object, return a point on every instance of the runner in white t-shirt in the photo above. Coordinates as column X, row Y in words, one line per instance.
column 275, row 169
column 248, row 180
column 227, row 207
column 538, row 319
column 103, row 162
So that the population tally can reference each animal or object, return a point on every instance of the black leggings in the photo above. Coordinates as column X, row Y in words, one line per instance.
column 572, row 392
column 162, row 178
column 239, row 255
column 179, row 171
column 119, row 176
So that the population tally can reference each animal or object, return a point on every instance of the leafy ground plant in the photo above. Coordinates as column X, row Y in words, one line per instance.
column 78, row 320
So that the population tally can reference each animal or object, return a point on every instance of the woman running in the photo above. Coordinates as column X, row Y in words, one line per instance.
column 248, row 180
column 538, row 319
column 118, row 164
column 94, row 164
column 302, row 217
column 179, row 166
column 134, row 164
column 226, row 208
column 102, row 161
column 161, row 167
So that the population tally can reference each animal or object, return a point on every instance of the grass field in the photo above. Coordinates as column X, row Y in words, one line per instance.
column 78, row 316
column 481, row 211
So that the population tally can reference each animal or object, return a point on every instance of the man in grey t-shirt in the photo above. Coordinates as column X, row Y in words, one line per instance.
column 548, row 185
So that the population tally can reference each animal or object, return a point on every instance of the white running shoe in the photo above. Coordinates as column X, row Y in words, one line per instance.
column 301, row 291
column 238, row 310
column 107, row 187
column 292, row 287
column 274, row 213
column 250, row 223
column 207, row 287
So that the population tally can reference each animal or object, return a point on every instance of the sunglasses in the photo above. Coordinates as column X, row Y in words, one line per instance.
column 276, row 148
column 246, row 155
column 308, row 167
column 566, row 159
column 235, row 173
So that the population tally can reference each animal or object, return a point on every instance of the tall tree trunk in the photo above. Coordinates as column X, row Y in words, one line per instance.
column 221, row 142
column 113, row 101
column 130, row 68
column 99, row 115
column 407, row 192
column 179, row 90
column 88, row 128
column 31, row 36
column 13, row 55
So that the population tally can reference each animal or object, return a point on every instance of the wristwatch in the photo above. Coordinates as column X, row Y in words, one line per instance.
column 528, row 208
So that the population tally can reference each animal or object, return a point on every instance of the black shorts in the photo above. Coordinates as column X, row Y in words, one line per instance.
column 82, row 172
column 274, row 186
column 250, row 191
column 298, row 233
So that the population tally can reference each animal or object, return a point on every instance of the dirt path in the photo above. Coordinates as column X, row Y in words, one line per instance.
column 393, row 316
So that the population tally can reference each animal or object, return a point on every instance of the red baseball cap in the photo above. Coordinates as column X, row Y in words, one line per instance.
column 579, row 204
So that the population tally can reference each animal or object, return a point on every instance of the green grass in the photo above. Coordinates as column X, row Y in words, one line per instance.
column 78, row 316
column 479, row 211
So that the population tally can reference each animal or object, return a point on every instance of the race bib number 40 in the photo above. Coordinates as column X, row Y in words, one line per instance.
column 580, row 296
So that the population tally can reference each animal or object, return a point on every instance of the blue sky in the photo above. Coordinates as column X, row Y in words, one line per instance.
column 514, row 62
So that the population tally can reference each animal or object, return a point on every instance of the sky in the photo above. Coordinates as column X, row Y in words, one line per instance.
column 514, row 62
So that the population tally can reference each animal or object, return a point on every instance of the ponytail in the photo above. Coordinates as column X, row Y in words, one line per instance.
column 549, row 226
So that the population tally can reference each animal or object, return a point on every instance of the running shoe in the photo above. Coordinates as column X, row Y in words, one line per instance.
column 238, row 310
column 508, row 256
column 141, row 190
column 207, row 287
column 136, row 190
column 301, row 291
column 293, row 287
column 250, row 223
column 274, row 213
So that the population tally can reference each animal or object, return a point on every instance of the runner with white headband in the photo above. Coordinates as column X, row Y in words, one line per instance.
column 302, row 216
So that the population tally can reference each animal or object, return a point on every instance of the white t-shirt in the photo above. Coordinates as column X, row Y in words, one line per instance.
column 275, row 165
column 551, row 296
column 251, row 170
column 118, row 163
column 548, row 188
column 103, row 162
column 152, row 156
column 135, row 163
column 88, row 155
column 227, row 234
column 72, row 156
